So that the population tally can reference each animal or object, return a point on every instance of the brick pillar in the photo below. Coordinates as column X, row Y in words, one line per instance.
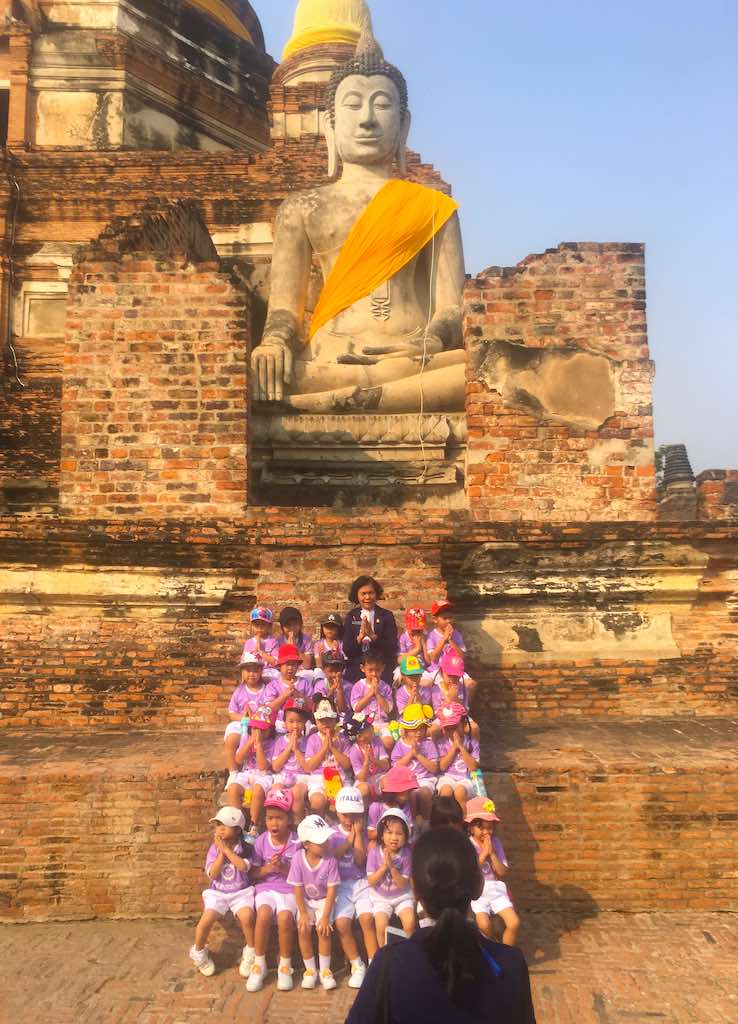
column 559, row 388
column 18, row 113
column 155, row 401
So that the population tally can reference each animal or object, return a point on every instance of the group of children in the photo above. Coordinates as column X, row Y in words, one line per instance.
column 386, row 756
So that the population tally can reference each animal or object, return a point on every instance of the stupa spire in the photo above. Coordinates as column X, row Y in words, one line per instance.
column 328, row 21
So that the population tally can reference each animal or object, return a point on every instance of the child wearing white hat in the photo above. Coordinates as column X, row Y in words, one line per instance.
column 349, row 845
column 230, row 890
column 315, row 880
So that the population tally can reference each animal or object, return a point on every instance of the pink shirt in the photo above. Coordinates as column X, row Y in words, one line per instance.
column 264, row 850
column 249, row 764
column 348, row 869
column 230, row 879
column 359, row 691
column 386, row 886
column 247, row 702
column 291, row 768
column 356, row 756
column 434, row 638
column 427, row 748
column 322, row 646
column 269, row 645
column 304, row 644
column 406, row 643
column 315, row 743
column 487, row 870
column 314, row 881
column 303, row 688
column 458, row 769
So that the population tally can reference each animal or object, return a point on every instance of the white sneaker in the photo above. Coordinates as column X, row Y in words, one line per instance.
column 247, row 962
column 256, row 978
column 201, row 960
column 284, row 979
column 310, row 979
column 358, row 973
column 327, row 980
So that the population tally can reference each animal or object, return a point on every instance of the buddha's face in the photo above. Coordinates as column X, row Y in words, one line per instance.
column 369, row 124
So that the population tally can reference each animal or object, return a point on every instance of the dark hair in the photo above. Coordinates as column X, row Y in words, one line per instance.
column 446, row 877
column 382, row 825
column 446, row 810
column 364, row 581
column 372, row 656
column 288, row 614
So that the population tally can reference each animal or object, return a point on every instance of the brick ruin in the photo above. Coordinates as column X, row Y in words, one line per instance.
column 601, row 612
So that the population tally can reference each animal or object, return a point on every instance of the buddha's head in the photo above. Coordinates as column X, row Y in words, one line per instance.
column 367, row 119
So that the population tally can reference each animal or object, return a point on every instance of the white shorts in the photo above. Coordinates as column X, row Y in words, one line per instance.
column 232, row 729
column 354, row 899
column 317, row 784
column 448, row 780
column 222, row 902
column 427, row 784
column 247, row 780
column 288, row 781
column 277, row 902
column 316, row 910
column 494, row 899
column 382, row 904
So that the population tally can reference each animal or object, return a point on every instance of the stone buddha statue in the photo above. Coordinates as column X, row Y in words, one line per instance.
column 386, row 333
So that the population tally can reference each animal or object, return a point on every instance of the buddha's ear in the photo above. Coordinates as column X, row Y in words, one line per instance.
column 330, row 137
column 402, row 144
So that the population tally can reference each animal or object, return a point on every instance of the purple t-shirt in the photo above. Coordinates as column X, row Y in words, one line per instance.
column 356, row 756
column 487, row 870
column 314, row 881
column 247, row 702
column 230, row 879
column 322, row 646
column 264, row 850
column 458, row 769
column 303, row 688
column 430, row 695
column 321, row 687
column 315, row 743
column 386, row 886
column 427, row 748
column 361, row 689
column 348, row 869
column 291, row 768
column 269, row 645
column 434, row 638
column 249, row 764
column 304, row 644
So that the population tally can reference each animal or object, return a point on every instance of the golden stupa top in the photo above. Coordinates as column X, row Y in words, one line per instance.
column 327, row 21
column 221, row 12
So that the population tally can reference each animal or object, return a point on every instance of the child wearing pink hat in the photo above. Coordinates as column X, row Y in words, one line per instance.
column 454, row 685
column 458, row 753
column 446, row 639
column 396, row 790
column 274, row 899
column 481, row 818
column 254, row 767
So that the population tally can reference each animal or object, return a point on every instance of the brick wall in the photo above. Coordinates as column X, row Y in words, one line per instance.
column 717, row 494
column 154, row 413
column 559, row 388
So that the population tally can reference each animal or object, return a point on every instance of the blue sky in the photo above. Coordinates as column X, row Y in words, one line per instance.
column 584, row 120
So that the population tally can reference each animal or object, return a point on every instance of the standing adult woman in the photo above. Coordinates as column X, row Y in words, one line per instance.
column 448, row 973
column 368, row 627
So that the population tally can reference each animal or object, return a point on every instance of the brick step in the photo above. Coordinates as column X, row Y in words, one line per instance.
column 596, row 815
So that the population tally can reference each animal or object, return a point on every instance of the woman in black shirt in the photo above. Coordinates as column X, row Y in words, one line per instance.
column 449, row 973
column 368, row 627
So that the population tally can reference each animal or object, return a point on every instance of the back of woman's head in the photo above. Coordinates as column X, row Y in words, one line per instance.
column 446, row 878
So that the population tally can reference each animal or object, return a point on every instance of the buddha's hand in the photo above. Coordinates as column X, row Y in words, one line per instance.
column 271, row 369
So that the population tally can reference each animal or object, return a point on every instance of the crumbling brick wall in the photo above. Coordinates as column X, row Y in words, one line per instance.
column 717, row 494
column 155, row 403
column 559, row 388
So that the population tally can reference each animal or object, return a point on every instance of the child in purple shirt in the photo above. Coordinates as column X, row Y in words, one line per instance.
column 289, row 684
column 388, row 873
column 397, row 790
column 458, row 753
column 291, row 624
column 327, row 757
column 372, row 696
column 261, row 642
column 414, row 750
column 446, row 639
column 481, row 818
column 329, row 682
column 414, row 637
column 314, row 878
column 270, row 864
column 227, row 868
column 253, row 693
column 331, row 631
column 369, row 759
column 289, row 757
column 353, row 900
column 254, row 768
column 414, row 687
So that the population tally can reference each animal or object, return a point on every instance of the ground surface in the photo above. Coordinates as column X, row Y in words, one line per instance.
column 610, row 969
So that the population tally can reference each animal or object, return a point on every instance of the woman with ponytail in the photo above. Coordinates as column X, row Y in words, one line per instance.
column 448, row 973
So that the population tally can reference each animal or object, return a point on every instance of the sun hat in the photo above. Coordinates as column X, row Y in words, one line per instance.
column 314, row 829
column 349, row 801
column 333, row 619
column 279, row 799
column 451, row 714
column 416, row 715
column 441, row 606
column 231, row 817
column 287, row 653
column 301, row 704
column 415, row 618
column 264, row 718
column 353, row 725
column 394, row 812
column 324, row 709
column 261, row 614
column 399, row 779
column 411, row 665
column 452, row 664
column 248, row 658
column 481, row 808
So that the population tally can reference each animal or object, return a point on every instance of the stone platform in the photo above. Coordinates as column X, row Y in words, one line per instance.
column 676, row 968
column 596, row 816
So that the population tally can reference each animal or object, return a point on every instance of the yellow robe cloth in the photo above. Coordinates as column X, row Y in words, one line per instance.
column 400, row 220
column 222, row 12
